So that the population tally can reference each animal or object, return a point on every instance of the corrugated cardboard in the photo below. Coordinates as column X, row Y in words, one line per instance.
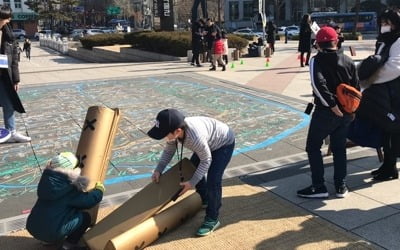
column 151, row 229
column 140, row 207
column 95, row 145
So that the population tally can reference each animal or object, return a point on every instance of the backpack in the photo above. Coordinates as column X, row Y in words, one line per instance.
column 349, row 97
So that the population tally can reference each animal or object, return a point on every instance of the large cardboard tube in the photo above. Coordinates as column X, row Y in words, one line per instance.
column 95, row 145
column 140, row 207
column 153, row 228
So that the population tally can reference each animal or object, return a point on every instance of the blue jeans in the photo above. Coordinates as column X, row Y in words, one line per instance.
column 8, row 109
column 210, row 190
column 323, row 123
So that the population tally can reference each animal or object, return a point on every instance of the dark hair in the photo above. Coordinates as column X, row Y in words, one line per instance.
column 305, row 18
column 5, row 12
column 326, row 45
column 390, row 15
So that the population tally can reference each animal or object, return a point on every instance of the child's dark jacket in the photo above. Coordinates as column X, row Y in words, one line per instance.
column 60, row 198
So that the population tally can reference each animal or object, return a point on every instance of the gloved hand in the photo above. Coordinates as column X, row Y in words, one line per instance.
column 100, row 186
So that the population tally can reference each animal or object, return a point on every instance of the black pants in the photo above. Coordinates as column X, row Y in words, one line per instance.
column 225, row 58
column 307, row 58
column 76, row 235
column 391, row 148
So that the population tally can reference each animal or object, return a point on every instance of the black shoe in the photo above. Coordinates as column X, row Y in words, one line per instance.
column 223, row 67
column 379, row 170
column 386, row 175
column 192, row 64
column 342, row 191
column 313, row 192
column 212, row 69
column 199, row 65
column 301, row 65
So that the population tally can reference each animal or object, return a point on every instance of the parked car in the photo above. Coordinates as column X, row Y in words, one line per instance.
column 292, row 31
column 19, row 33
column 108, row 29
column 281, row 30
column 248, row 32
column 46, row 32
column 76, row 34
column 91, row 32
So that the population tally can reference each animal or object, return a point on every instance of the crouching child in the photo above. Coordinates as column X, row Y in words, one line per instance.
column 58, row 215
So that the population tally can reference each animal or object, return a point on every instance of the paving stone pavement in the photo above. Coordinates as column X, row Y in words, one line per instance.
column 263, row 103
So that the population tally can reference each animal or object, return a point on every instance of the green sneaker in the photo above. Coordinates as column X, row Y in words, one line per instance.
column 207, row 227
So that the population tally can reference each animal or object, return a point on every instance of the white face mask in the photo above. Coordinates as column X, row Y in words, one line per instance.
column 385, row 29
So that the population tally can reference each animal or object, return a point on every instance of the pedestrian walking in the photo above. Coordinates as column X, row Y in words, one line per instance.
column 212, row 143
column 27, row 48
column 328, row 69
column 9, row 77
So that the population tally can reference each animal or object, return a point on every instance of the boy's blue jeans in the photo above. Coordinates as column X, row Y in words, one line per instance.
column 210, row 190
column 8, row 109
column 325, row 123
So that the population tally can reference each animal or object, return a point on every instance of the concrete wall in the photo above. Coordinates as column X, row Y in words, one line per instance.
column 123, row 54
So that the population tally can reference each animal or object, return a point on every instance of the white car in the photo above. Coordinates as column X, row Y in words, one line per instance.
column 248, row 32
column 19, row 33
column 76, row 34
column 292, row 30
column 281, row 30
column 91, row 32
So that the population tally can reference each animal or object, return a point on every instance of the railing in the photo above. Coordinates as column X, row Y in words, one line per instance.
column 55, row 43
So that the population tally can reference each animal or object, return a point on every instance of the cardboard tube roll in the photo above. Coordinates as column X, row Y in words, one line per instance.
column 144, row 204
column 151, row 229
column 95, row 145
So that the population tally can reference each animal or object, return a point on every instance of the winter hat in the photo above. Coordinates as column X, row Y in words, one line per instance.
column 166, row 122
column 63, row 160
column 326, row 34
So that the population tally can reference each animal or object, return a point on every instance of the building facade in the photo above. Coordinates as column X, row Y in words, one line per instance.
column 23, row 17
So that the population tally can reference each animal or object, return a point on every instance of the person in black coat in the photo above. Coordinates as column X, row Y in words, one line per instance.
column 271, row 31
column 27, row 48
column 305, row 39
column 9, row 77
column 197, row 41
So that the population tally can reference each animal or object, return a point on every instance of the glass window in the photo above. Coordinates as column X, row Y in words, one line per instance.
column 7, row 2
column 233, row 11
column 17, row 4
column 247, row 10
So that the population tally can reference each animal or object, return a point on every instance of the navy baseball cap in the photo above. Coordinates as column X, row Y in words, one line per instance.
column 166, row 122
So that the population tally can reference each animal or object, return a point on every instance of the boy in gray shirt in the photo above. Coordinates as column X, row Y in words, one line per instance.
column 212, row 143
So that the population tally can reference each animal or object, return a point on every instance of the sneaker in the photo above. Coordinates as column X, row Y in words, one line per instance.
column 342, row 191
column 212, row 69
column 192, row 64
column 208, row 226
column 313, row 192
column 4, row 135
column 17, row 137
